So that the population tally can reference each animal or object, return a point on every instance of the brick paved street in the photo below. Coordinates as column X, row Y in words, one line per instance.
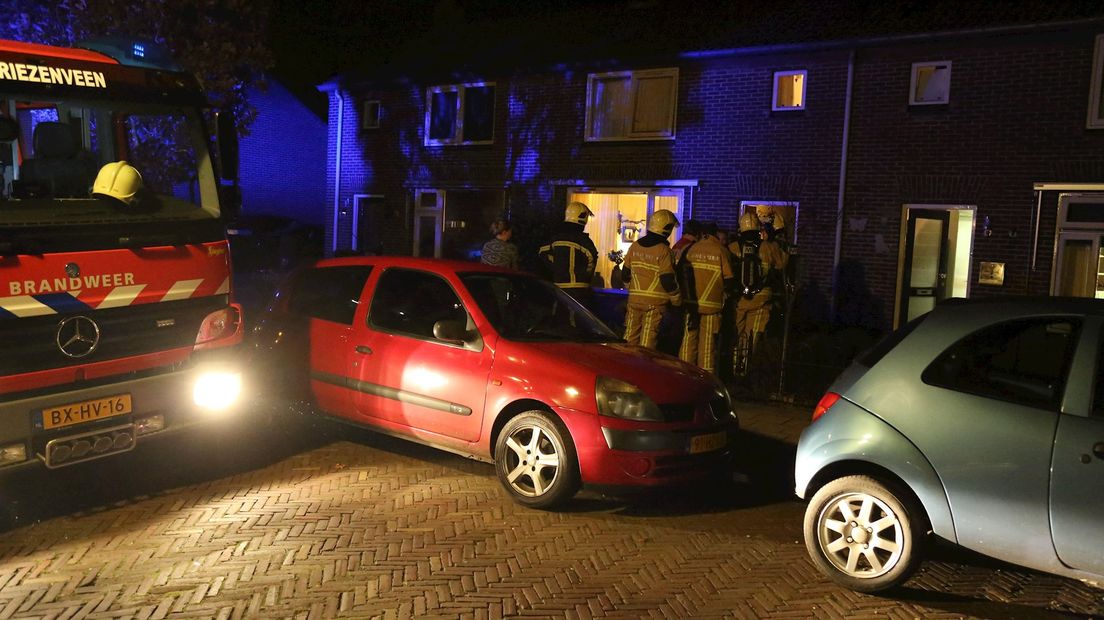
column 318, row 522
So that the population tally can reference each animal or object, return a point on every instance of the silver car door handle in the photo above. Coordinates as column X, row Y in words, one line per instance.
column 366, row 350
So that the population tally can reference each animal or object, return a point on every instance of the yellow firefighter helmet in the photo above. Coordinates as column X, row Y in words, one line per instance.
column 748, row 221
column 577, row 212
column 663, row 222
column 778, row 222
column 118, row 180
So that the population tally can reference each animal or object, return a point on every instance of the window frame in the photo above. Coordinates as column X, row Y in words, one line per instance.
column 457, row 138
column 1095, row 117
column 309, row 277
column 635, row 76
column 916, row 66
column 804, row 73
column 367, row 120
column 1078, row 323
column 475, row 344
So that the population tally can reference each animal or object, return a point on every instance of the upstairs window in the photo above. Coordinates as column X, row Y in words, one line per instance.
column 370, row 115
column 631, row 105
column 789, row 90
column 460, row 114
column 931, row 83
column 1096, row 94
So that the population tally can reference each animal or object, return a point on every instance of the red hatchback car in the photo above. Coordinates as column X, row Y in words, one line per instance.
column 494, row 365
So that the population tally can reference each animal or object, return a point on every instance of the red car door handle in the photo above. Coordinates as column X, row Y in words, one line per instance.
column 363, row 349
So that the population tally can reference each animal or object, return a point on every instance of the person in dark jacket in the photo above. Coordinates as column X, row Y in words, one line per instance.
column 570, row 256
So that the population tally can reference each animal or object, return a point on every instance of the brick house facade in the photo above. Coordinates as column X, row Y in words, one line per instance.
column 274, row 182
column 979, row 176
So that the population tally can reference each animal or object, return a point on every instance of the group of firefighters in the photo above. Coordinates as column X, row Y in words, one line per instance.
column 697, row 275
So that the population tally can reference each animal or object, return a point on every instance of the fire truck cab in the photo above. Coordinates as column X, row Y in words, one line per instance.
column 117, row 320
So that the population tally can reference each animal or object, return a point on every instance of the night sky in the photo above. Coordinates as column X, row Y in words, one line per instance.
column 312, row 41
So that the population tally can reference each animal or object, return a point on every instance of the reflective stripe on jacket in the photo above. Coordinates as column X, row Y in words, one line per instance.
column 570, row 256
column 647, row 268
column 711, row 265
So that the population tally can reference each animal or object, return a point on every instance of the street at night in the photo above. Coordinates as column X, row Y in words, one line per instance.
column 551, row 309
column 314, row 521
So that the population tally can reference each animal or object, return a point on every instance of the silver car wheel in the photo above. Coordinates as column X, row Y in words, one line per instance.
column 860, row 535
column 533, row 463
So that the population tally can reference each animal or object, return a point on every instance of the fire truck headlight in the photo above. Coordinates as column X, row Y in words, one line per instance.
column 216, row 390
column 14, row 453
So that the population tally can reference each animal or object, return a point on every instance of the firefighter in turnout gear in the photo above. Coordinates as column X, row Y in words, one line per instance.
column 759, row 265
column 650, row 271
column 709, row 268
column 570, row 256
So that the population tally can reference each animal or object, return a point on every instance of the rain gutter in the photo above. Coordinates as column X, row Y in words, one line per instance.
column 842, row 185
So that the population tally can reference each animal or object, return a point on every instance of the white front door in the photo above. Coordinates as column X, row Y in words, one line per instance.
column 1078, row 263
column 429, row 222
column 935, row 257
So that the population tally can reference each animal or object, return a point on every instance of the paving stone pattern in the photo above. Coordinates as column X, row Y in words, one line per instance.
column 367, row 527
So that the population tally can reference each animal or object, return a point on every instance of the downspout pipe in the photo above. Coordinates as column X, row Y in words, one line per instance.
column 842, row 187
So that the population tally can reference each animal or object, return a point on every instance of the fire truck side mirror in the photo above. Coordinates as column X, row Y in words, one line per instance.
column 227, row 145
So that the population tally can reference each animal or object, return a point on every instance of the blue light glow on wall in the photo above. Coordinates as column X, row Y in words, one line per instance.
column 283, row 159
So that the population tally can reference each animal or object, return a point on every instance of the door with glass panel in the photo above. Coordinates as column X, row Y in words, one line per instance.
column 924, row 278
column 429, row 222
column 1080, row 263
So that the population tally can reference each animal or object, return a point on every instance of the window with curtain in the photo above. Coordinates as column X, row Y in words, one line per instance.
column 460, row 114
column 619, row 219
column 632, row 105
column 931, row 83
column 789, row 90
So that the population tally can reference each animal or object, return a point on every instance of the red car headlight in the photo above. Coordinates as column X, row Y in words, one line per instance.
column 620, row 399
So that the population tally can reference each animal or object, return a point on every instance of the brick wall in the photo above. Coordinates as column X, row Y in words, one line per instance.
column 283, row 158
column 1016, row 116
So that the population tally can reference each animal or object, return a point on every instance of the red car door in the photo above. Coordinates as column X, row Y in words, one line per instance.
column 406, row 379
column 320, row 302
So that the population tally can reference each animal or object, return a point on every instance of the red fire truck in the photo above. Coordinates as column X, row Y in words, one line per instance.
column 117, row 321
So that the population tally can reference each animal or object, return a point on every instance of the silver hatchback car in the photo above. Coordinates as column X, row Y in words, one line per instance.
column 981, row 423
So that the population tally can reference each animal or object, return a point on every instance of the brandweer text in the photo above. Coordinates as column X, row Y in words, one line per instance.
column 37, row 287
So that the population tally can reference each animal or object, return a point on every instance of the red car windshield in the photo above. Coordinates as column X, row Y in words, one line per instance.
column 524, row 308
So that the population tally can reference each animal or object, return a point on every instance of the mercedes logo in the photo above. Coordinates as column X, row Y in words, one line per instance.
column 78, row 336
column 72, row 270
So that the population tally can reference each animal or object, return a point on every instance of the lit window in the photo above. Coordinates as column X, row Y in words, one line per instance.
column 631, row 105
column 931, row 83
column 789, row 90
column 1096, row 95
column 371, row 115
column 460, row 114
